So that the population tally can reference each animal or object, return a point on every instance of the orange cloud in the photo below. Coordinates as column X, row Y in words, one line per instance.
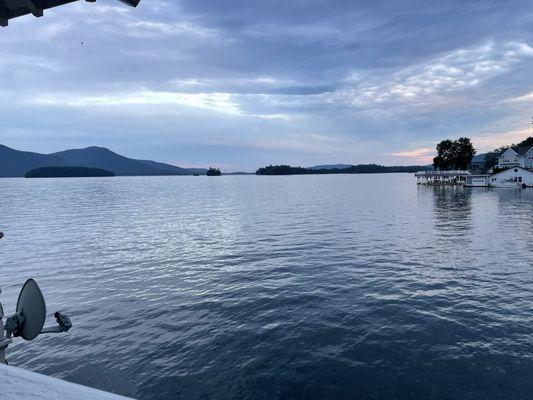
column 424, row 155
column 487, row 142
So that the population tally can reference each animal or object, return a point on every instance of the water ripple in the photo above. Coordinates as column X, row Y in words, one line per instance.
column 319, row 287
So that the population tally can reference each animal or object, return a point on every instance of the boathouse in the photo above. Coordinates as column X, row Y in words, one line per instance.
column 512, row 177
column 477, row 180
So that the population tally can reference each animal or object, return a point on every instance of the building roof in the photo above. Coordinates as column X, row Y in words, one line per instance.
column 15, row 8
column 511, row 169
column 480, row 158
column 522, row 150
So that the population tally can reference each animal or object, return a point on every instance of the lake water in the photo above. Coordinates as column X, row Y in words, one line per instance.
column 303, row 287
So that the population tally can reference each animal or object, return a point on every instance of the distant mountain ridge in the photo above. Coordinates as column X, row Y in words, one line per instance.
column 16, row 163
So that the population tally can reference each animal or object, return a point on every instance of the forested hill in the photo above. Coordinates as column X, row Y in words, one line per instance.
column 353, row 169
column 16, row 163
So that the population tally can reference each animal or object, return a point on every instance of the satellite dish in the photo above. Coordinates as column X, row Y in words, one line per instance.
column 33, row 309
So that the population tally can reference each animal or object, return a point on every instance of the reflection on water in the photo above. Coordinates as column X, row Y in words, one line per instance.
column 308, row 287
column 452, row 211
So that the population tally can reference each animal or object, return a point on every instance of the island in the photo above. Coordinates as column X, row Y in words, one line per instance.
column 352, row 169
column 213, row 172
column 68, row 172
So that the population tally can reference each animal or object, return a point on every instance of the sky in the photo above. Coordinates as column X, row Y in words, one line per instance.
column 240, row 84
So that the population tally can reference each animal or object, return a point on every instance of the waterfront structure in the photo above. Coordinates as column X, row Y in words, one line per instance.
column 438, row 178
column 512, row 177
column 479, row 162
column 516, row 157
column 481, row 180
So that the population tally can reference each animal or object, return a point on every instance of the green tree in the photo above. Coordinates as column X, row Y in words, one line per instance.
column 454, row 154
column 526, row 142
column 463, row 153
column 213, row 172
column 444, row 158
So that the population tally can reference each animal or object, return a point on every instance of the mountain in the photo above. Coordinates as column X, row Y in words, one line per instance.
column 100, row 157
column 14, row 163
column 171, row 168
column 331, row 166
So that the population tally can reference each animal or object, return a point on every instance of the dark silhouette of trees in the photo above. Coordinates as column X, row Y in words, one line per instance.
column 456, row 154
column 443, row 160
column 526, row 142
column 213, row 172
column 68, row 172
column 353, row 169
column 284, row 170
column 464, row 152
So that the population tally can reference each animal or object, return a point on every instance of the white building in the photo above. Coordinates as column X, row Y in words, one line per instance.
column 512, row 177
column 516, row 157
column 477, row 180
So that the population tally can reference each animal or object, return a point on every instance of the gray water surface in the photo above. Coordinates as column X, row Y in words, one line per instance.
column 302, row 287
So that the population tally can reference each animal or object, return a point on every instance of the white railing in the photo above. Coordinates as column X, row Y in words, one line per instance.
column 443, row 173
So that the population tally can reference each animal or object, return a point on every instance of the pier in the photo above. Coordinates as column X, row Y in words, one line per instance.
column 440, row 178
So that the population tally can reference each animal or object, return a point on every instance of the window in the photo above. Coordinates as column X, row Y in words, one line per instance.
column 519, row 179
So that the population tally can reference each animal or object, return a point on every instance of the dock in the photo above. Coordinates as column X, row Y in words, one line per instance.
column 442, row 178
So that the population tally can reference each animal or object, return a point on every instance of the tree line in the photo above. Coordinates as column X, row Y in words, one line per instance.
column 353, row 169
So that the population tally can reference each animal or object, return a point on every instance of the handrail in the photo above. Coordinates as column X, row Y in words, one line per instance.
column 443, row 173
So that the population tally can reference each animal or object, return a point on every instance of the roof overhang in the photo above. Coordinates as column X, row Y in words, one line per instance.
column 15, row 8
column 513, row 169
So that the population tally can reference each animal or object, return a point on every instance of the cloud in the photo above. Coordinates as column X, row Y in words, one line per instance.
column 225, row 103
column 434, row 82
column 491, row 140
column 423, row 156
column 526, row 98
column 147, row 28
column 246, row 82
